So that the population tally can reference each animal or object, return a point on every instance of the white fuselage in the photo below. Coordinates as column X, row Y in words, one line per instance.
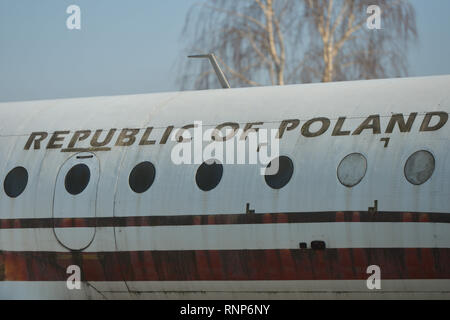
column 177, row 241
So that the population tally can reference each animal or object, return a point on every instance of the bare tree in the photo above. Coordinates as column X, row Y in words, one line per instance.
column 276, row 42
column 341, row 47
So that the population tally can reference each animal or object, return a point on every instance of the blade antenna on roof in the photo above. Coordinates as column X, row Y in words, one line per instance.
column 212, row 58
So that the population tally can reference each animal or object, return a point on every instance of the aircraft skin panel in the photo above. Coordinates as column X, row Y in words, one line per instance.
column 306, row 101
column 242, row 239
column 240, row 236
column 264, row 290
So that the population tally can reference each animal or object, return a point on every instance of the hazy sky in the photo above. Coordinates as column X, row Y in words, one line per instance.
column 127, row 47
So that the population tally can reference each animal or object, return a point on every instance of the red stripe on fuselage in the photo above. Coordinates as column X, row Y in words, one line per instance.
column 283, row 264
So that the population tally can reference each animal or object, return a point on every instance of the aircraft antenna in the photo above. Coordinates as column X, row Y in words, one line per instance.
column 212, row 58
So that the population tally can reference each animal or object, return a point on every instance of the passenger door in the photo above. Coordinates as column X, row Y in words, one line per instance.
column 74, row 202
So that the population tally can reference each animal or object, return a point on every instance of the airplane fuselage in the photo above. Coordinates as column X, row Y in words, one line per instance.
column 364, row 181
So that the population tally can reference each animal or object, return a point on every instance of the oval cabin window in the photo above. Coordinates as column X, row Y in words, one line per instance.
column 209, row 175
column 279, row 172
column 16, row 182
column 419, row 167
column 77, row 179
column 142, row 177
column 352, row 170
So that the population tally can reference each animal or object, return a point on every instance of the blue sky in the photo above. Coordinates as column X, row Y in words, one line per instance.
column 127, row 47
